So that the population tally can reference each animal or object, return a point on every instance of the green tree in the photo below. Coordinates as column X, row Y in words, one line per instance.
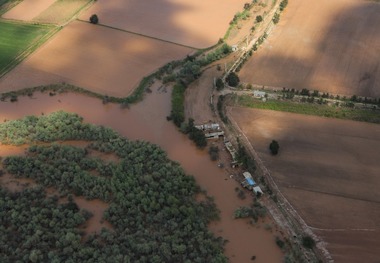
column 219, row 84
column 94, row 19
column 274, row 147
column 259, row 19
column 308, row 242
column 233, row 79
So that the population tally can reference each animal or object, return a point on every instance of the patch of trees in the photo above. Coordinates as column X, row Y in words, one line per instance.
column 178, row 107
column 152, row 208
column 220, row 108
column 195, row 134
column 283, row 4
column 255, row 211
column 246, row 161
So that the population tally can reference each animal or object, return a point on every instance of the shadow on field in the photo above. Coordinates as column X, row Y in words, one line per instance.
column 331, row 46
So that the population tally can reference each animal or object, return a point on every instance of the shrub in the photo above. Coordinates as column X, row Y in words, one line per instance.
column 233, row 79
column 274, row 147
column 259, row 19
column 94, row 19
column 308, row 242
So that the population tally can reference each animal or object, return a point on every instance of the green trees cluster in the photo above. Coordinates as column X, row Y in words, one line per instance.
column 178, row 108
column 152, row 208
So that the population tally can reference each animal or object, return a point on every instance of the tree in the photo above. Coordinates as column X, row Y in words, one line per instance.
column 274, row 147
column 308, row 242
column 259, row 19
column 94, row 19
column 233, row 79
column 219, row 84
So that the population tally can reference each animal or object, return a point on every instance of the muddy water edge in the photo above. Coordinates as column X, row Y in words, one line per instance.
column 147, row 121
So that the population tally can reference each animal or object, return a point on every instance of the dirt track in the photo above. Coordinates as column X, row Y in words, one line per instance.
column 328, row 169
column 100, row 59
column 331, row 46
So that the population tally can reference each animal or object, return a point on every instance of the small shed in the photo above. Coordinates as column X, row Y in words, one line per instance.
column 257, row 190
column 259, row 94
column 247, row 175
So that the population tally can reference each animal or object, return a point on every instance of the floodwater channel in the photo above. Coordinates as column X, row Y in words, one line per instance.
column 147, row 121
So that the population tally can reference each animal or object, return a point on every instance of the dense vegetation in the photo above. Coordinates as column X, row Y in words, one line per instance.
column 312, row 109
column 17, row 39
column 152, row 209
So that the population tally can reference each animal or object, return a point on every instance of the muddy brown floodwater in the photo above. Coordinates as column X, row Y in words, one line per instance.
column 147, row 121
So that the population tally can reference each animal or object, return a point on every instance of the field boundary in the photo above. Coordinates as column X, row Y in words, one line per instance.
column 139, row 34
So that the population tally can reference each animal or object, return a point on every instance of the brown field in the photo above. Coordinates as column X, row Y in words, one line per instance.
column 331, row 46
column 60, row 11
column 97, row 58
column 329, row 171
column 195, row 23
column 28, row 9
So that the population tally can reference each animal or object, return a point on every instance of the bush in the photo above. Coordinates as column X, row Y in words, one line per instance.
column 274, row 147
column 308, row 242
column 259, row 19
column 94, row 19
column 233, row 79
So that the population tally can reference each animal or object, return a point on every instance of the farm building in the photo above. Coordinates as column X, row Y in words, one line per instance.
column 259, row 94
column 257, row 190
column 208, row 127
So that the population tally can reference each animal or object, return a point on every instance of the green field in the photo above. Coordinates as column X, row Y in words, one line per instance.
column 372, row 116
column 17, row 40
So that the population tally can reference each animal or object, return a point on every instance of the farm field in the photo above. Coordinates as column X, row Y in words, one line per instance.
column 97, row 58
column 331, row 46
column 329, row 171
column 60, row 11
column 28, row 9
column 17, row 40
column 198, row 23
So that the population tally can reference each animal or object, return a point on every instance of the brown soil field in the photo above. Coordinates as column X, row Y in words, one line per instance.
column 329, row 171
column 147, row 121
column 28, row 9
column 97, row 58
column 60, row 11
column 331, row 46
column 196, row 23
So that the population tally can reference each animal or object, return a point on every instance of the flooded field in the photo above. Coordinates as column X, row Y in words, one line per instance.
column 147, row 121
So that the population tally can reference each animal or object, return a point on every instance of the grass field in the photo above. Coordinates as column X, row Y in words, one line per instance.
column 312, row 109
column 17, row 40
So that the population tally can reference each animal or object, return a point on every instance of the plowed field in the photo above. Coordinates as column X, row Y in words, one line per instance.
column 100, row 59
column 329, row 171
column 331, row 46
column 196, row 23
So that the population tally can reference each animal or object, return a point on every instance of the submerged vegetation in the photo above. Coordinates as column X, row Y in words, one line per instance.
column 347, row 113
column 152, row 206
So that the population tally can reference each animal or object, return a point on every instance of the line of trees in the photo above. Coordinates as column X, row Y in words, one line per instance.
column 152, row 208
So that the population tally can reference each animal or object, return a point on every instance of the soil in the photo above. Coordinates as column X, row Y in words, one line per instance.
column 28, row 9
column 330, row 46
column 97, row 58
column 328, row 169
column 147, row 121
column 195, row 23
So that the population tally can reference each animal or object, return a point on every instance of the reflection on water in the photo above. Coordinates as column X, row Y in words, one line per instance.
column 147, row 121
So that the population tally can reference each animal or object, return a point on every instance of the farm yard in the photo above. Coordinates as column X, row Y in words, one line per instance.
column 330, row 46
column 198, row 24
column 99, row 59
column 328, row 169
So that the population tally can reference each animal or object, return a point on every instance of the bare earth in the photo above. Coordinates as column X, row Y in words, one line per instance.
column 329, row 171
column 331, row 46
column 28, row 9
column 97, row 58
column 196, row 23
